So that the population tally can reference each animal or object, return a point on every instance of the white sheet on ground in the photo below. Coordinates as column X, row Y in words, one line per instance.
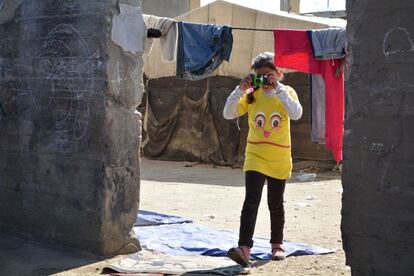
column 149, row 262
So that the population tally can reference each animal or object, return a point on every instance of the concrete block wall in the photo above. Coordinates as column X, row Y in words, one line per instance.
column 378, row 167
column 170, row 8
column 69, row 143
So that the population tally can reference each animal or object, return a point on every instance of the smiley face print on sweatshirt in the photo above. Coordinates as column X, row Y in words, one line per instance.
column 267, row 125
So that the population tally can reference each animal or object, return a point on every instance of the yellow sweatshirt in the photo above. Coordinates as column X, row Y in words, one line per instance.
column 268, row 149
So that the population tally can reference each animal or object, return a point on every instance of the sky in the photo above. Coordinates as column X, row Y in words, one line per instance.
column 274, row 5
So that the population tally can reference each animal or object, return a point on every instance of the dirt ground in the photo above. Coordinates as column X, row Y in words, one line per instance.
column 214, row 196
column 210, row 196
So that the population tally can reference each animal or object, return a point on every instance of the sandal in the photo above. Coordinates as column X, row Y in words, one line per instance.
column 278, row 252
column 240, row 255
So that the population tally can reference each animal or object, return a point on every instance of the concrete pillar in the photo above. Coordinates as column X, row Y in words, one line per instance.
column 290, row 6
column 69, row 137
column 170, row 8
column 194, row 4
column 378, row 172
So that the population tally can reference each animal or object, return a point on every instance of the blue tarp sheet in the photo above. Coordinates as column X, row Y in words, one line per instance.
column 148, row 218
column 185, row 239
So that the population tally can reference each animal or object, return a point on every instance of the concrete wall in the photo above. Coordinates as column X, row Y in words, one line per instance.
column 378, row 168
column 169, row 8
column 69, row 154
column 290, row 6
column 302, row 147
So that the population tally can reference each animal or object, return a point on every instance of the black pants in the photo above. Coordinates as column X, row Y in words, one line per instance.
column 254, row 187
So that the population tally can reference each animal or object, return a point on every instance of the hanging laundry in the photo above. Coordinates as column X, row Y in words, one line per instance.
column 328, row 43
column 168, row 38
column 317, row 105
column 201, row 49
column 293, row 50
column 128, row 29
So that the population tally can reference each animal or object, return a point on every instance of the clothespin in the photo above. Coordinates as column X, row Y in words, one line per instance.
column 153, row 33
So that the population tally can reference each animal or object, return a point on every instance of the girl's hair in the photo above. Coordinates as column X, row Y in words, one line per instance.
column 250, row 96
column 264, row 59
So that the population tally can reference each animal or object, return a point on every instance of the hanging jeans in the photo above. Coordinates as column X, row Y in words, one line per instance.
column 201, row 49
column 293, row 50
column 328, row 43
column 275, row 189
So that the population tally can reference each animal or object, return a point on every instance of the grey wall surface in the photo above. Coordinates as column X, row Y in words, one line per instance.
column 169, row 8
column 69, row 148
column 378, row 168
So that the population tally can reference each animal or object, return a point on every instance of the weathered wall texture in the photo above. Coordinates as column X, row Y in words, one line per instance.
column 378, row 168
column 169, row 8
column 69, row 143
column 188, row 124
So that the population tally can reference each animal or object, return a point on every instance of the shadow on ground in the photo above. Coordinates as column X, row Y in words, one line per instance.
column 195, row 173
column 22, row 257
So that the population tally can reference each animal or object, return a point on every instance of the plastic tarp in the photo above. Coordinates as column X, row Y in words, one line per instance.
column 186, row 239
column 148, row 218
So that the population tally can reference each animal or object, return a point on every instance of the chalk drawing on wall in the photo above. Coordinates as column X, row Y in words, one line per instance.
column 116, row 80
column 397, row 40
column 64, row 67
column 57, row 79
column 62, row 79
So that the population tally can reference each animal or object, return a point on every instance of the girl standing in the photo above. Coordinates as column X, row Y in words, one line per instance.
column 270, row 105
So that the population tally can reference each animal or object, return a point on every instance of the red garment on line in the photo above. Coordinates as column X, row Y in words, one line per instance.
column 293, row 50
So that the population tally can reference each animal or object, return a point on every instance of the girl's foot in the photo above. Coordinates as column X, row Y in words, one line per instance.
column 240, row 255
column 278, row 252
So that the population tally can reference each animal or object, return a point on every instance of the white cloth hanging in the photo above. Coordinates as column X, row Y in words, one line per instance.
column 168, row 39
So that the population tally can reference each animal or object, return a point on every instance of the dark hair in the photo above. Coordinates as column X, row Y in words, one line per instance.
column 250, row 97
column 267, row 64
column 264, row 59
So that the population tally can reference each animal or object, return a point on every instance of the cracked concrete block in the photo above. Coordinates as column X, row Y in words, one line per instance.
column 378, row 175
column 70, row 136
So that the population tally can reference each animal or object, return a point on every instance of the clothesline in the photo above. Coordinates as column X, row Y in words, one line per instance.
column 156, row 33
column 199, row 49
column 251, row 29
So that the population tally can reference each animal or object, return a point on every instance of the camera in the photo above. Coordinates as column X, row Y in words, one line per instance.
column 259, row 80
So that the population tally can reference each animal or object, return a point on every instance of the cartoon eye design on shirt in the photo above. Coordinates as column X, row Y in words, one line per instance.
column 275, row 119
column 260, row 119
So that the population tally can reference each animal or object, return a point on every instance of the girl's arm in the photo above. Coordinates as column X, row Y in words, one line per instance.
column 290, row 101
column 231, row 109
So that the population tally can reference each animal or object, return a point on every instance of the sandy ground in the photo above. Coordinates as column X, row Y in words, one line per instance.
column 214, row 196
column 210, row 196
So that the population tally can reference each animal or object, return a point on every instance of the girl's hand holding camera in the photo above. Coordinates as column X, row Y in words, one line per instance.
column 273, row 79
column 246, row 83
